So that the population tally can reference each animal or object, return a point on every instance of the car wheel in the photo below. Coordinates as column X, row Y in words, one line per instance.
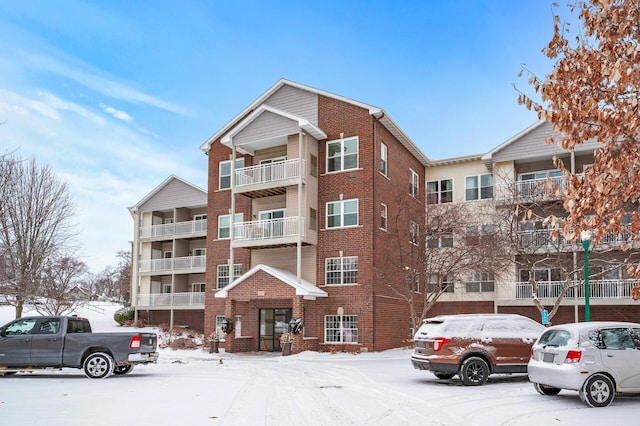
column 98, row 365
column 123, row 369
column 441, row 375
column 474, row 371
column 598, row 391
column 546, row 390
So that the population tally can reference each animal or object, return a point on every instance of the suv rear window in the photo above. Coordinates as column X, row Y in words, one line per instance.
column 555, row 338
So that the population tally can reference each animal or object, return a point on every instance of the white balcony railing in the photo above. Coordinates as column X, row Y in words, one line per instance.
column 598, row 289
column 187, row 263
column 544, row 238
column 271, row 229
column 171, row 299
column 169, row 230
column 532, row 189
column 270, row 173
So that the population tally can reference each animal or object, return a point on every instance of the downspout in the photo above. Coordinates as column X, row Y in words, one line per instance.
column 232, row 212
column 300, row 213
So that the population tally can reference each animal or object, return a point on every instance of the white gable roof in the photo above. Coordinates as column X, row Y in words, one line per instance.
column 303, row 288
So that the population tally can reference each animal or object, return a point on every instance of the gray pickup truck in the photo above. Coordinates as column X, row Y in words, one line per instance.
column 32, row 343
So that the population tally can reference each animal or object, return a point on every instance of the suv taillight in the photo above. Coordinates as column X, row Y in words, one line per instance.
column 135, row 342
column 573, row 357
column 438, row 342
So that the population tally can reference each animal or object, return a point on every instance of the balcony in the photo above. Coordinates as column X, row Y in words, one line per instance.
column 265, row 180
column 541, row 238
column 171, row 300
column 187, row 264
column 550, row 290
column 270, row 233
column 193, row 228
column 532, row 190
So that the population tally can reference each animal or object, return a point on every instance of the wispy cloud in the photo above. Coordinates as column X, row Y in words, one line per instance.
column 120, row 115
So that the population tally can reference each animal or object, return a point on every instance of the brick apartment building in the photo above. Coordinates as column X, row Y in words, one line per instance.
column 302, row 186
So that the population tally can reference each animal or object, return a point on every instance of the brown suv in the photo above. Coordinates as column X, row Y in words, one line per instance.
column 474, row 345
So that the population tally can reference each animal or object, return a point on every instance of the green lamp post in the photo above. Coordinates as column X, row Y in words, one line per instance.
column 586, row 242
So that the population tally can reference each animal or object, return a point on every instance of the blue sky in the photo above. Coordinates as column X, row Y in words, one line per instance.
column 117, row 95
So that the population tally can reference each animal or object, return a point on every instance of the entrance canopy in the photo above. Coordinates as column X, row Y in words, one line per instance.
column 303, row 288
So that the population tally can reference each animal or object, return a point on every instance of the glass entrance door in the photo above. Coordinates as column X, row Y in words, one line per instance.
column 273, row 324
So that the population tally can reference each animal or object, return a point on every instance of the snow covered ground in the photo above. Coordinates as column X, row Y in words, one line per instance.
column 198, row 388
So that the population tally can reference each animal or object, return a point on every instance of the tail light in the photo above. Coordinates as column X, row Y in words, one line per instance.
column 135, row 342
column 573, row 357
column 438, row 342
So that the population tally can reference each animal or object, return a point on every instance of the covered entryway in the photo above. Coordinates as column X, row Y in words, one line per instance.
column 273, row 324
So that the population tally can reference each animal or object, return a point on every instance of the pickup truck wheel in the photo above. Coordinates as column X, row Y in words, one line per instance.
column 474, row 371
column 98, row 365
column 122, row 369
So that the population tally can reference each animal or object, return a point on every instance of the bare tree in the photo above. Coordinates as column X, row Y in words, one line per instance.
column 62, row 286
column 34, row 225
column 450, row 249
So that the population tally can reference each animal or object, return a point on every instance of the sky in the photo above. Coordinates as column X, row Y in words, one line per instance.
column 116, row 96
column 310, row 388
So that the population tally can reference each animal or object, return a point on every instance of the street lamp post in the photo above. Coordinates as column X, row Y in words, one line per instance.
column 586, row 242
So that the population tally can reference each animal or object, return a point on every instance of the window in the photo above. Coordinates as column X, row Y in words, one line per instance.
column 383, row 159
column 413, row 183
column 474, row 234
column 342, row 154
column 200, row 252
column 440, row 283
column 224, row 224
column 440, row 191
column 313, row 219
column 383, row 216
column 480, row 282
column 222, row 279
column 414, row 233
column 440, row 239
column 479, row 187
column 225, row 172
column 341, row 270
column 197, row 287
column 200, row 222
column 341, row 329
column 342, row 213
column 49, row 326
column 313, row 166
column 412, row 279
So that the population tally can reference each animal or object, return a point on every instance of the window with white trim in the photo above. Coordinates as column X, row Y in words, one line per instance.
column 224, row 225
column 383, row 159
column 342, row 213
column 414, row 233
column 222, row 278
column 341, row 270
column 341, row 329
column 224, row 172
column 197, row 287
column 383, row 216
column 414, row 183
column 440, row 191
column 474, row 234
column 342, row 154
column 480, row 282
column 200, row 252
column 478, row 187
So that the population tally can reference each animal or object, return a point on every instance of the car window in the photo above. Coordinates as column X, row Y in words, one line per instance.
column 49, row 326
column 21, row 326
column 617, row 338
column 555, row 338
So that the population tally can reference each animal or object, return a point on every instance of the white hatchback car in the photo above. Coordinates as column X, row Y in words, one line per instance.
column 598, row 359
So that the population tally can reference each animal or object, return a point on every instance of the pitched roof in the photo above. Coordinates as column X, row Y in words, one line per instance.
column 303, row 288
column 378, row 113
column 159, row 188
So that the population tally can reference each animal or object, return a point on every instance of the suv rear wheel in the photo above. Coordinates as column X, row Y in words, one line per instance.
column 474, row 371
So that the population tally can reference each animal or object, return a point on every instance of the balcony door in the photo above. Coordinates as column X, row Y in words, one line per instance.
column 273, row 324
column 272, row 223
column 271, row 170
